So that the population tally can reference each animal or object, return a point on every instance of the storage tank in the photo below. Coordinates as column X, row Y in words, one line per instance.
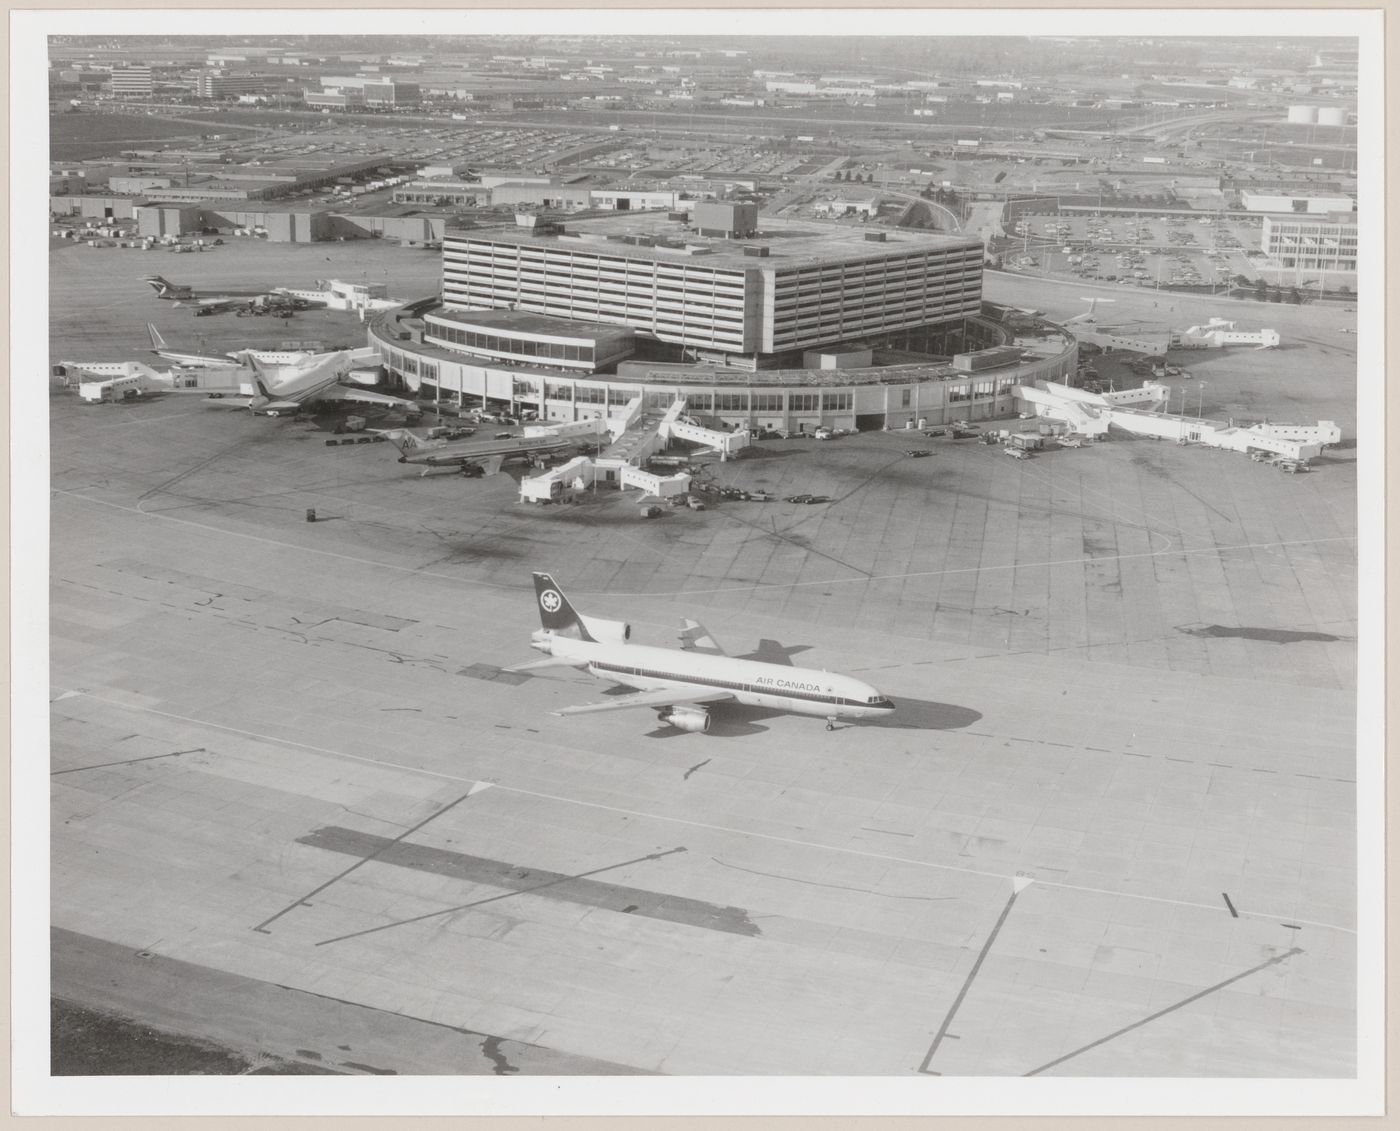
column 1303, row 115
column 1331, row 116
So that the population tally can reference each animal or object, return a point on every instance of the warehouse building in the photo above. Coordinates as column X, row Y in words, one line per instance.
column 1292, row 204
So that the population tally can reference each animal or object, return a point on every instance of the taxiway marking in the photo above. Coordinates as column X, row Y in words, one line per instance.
column 726, row 829
column 1284, row 957
column 125, row 761
column 301, row 901
column 495, row 898
column 967, row 983
column 909, row 575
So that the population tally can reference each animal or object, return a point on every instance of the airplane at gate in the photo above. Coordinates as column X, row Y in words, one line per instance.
column 284, row 389
column 681, row 686
column 234, row 360
column 488, row 455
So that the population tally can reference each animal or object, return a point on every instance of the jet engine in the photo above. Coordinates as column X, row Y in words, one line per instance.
column 607, row 631
column 696, row 720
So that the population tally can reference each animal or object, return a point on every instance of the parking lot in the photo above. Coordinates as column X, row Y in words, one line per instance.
column 1139, row 251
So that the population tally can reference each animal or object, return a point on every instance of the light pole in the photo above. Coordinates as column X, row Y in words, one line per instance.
column 1200, row 397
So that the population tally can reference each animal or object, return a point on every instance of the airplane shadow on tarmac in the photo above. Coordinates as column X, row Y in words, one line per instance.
column 733, row 720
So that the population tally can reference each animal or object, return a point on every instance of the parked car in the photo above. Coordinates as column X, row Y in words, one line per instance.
column 1017, row 453
column 1071, row 441
column 917, row 453
column 798, row 499
column 817, row 499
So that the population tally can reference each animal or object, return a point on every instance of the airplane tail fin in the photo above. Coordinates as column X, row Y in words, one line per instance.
column 556, row 613
column 157, row 284
column 401, row 438
column 157, row 342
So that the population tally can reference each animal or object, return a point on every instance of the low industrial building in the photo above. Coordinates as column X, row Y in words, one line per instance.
column 1292, row 204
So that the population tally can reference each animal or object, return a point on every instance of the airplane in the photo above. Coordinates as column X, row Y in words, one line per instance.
column 681, row 686
column 235, row 359
column 214, row 383
column 286, row 388
column 207, row 302
column 1087, row 318
column 486, row 455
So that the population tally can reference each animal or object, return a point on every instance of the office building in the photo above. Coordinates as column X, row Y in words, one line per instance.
column 130, row 82
column 1325, row 243
column 743, row 296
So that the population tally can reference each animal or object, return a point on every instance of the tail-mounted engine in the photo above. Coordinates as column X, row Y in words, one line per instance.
column 607, row 631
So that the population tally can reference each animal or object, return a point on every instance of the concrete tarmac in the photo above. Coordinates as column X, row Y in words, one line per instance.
column 1110, row 830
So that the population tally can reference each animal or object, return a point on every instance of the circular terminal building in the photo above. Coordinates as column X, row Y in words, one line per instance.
column 788, row 326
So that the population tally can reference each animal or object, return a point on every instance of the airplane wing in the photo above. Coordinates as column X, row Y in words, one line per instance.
column 695, row 637
column 665, row 697
column 549, row 662
column 339, row 392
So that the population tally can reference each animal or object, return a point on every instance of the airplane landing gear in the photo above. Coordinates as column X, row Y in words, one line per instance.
column 831, row 723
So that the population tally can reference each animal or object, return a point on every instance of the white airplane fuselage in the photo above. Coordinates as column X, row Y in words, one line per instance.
column 800, row 691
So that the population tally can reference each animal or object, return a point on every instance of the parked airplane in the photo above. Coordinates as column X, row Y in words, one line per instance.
column 1087, row 318
column 235, row 359
column 680, row 686
column 487, row 455
column 322, row 377
column 215, row 302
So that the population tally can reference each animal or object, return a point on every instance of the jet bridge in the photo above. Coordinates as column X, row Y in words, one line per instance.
column 676, row 427
column 1092, row 414
column 582, row 473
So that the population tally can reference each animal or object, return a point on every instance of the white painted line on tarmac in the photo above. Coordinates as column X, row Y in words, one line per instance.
column 268, row 541
column 726, row 829
column 984, row 569
column 910, row 575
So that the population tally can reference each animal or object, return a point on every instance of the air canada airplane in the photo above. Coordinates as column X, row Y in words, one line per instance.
column 680, row 686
